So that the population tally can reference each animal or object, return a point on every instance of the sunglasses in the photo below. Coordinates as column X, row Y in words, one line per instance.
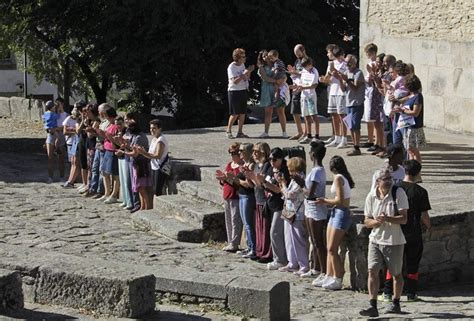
column 233, row 153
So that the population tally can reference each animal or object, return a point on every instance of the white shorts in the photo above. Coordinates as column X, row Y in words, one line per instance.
column 309, row 105
column 337, row 104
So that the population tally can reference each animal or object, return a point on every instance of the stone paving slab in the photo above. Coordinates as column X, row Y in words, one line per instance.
column 42, row 216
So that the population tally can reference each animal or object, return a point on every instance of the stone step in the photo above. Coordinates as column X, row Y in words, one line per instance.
column 202, row 190
column 168, row 225
column 208, row 174
column 11, row 293
column 189, row 209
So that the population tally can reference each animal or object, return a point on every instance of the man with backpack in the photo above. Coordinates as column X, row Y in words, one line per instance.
column 385, row 211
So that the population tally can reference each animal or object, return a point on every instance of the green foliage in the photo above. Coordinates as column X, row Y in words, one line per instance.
column 169, row 54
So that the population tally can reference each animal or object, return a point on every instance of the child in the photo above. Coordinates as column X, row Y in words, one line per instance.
column 282, row 95
column 278, row 64
column 309, row 99
column 296, row 239
column 50, row 120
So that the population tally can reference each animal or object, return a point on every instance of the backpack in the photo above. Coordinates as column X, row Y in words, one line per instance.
column 394, row 197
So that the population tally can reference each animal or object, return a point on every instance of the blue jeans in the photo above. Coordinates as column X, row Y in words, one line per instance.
column 96, row 185
column 125, row 182
column 247, row 213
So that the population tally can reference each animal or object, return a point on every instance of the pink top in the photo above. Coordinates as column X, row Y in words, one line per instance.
column 108, row 145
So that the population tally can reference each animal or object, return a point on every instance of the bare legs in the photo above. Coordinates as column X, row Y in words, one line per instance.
column 232, row 119
column 334, row 263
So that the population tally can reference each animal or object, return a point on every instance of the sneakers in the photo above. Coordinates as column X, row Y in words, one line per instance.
column 123, row 205
column 230, row 248
column 367, row 145
column 354, row 152
column 318, row 282
column 334, row 142
column 67, row 185
column 111, row 200
column 305, row 140
column 84, row 189
column 393, row 308
column 329, row 140
column 284, row 135
column 49, row 180
column 263, row 135
column 241, row 135
column 301, row 272
column 412, row 297
column 249, row 255
column 384, row 297
column 371, row 312
column 332, row 284
column 80, row 187
column 287, row 268
column 343, row 143
column 274, row 265
column 229, row 135
column 310, row 273
column 97, row 196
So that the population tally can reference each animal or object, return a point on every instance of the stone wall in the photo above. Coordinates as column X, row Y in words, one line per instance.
column 448, row 251
column 21, row 108
column 437, row 37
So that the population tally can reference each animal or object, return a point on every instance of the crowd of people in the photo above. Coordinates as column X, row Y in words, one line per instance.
column 110, row 153
column 388, row 98
column 290, row 223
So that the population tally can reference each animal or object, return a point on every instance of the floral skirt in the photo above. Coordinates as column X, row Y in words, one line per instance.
column 414, row 138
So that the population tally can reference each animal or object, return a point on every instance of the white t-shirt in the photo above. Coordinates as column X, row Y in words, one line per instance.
column 397, row 176
column 61, row 118
column 285, row 93
column 335, row 86
column 309, row 78
column 387, row 233
column 71, row 123
column 235, row 71
column 346, row 189
column 155, row 163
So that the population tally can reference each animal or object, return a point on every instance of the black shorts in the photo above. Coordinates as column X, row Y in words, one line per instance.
column 295, row 104
column 237, row 102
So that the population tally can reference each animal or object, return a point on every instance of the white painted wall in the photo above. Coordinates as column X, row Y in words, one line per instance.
column 10, row 78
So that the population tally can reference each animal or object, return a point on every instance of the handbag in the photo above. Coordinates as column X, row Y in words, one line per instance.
column 289, row 215
column 165, row 167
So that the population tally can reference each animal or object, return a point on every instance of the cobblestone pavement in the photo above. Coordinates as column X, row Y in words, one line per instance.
column 39, row 215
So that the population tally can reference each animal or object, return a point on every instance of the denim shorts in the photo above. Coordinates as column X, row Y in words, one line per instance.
column 109, row 165
column 50, row 139
column 340, row 218
column 356, row 113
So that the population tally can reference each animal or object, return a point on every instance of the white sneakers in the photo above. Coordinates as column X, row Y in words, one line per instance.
column 111, row 200
column 274, row 265
column 305, row 140
column 264, row 135
column 284, row 135
column 332, row 283
column 343, row 143
column 287, row 268
column 334, row 142
column 310, row 273
column 329, row 140
column 318, row 282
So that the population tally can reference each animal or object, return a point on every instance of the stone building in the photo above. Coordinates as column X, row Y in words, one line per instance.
column 438, row 38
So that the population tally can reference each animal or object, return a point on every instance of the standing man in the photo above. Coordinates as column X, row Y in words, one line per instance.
column 353, row 85
column 237, row 91
column 295, row 74
column 385, row 210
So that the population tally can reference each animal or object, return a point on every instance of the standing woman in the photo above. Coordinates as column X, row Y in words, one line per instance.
column 61, row 142
column 237, row 91
column 93, row 122
column 414, row 135
column 141, row 178
column 69, row 131
column 82, row 148
column 339, row 222
column 158, row 153
column 316, row 214
column 269, row 181
column 295, row 74
column 263, row 219
column 233, row 222
column 267, row 95
column 247, row 198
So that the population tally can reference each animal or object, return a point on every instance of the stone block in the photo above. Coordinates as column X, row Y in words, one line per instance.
column 435, row 253
column 423, row 51
column 457, row 113
column 5, row 110
column 202, row 190
column 440, row 81
column 190, row 282
column 11, row 293
column 463, row 80
column 399, row 47
column 105, row 287
column 434, row 112
column 20, row 108
column 37, row 109
column 260, row 298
